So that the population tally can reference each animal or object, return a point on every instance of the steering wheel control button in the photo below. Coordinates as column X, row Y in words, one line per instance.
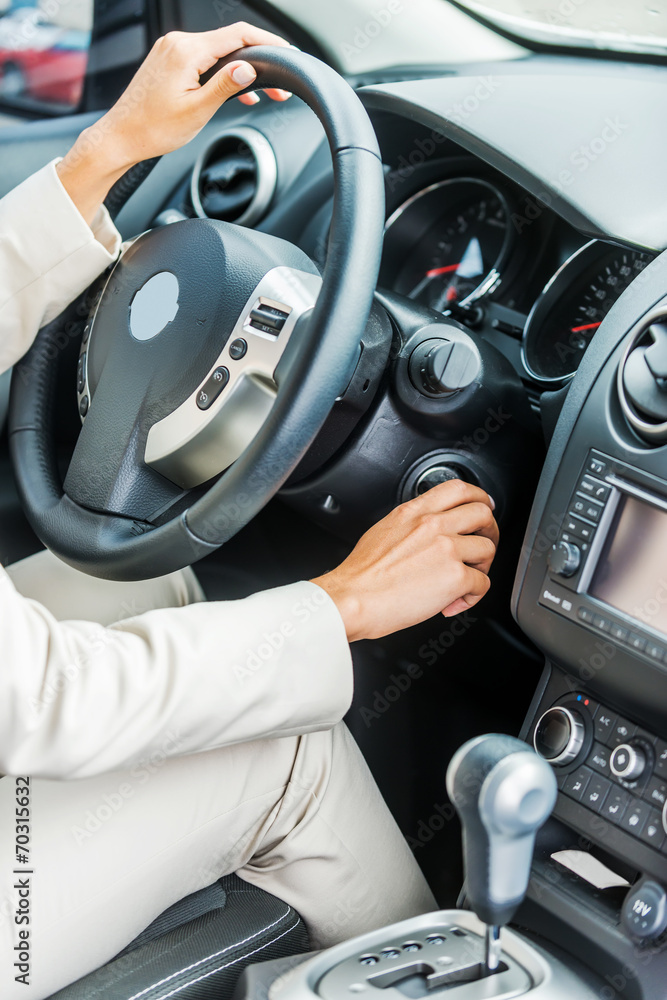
column 267, row 319
column 644, row 913
column 83, row 406
column 390, row 953
column 628, row 761
column 212, row 388
column 81, row 373
column 369, row 960
column 559, row 735
column 564, row 558
column 238, row 349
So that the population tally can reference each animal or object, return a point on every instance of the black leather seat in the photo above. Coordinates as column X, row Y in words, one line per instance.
column 197, row 949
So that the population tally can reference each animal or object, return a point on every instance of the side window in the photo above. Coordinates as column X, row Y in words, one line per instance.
column 43, row 53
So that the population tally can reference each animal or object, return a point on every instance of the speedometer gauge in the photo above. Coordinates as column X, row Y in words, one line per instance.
column 573, row 305
column 447, row 244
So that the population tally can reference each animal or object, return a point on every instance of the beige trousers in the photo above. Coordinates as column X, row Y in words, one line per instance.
column 299, row 816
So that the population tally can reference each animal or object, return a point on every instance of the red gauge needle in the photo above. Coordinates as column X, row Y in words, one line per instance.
column 588, row 326
column 434, row 272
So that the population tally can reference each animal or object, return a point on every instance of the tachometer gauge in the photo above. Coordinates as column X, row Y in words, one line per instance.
column 447, row 244
column 573, row 305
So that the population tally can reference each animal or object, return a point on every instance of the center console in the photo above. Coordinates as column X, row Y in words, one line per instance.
column 591, row 592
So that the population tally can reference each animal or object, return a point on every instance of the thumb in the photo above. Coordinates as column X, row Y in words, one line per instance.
column 227, row 82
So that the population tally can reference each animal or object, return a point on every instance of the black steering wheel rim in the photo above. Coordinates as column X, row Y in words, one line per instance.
column 121, row 548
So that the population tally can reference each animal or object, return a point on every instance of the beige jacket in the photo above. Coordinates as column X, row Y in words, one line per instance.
column 77, row 699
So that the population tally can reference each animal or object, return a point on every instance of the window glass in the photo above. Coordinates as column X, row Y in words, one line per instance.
column 43, row 53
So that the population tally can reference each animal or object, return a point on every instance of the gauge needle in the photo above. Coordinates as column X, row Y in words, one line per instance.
column 587, row 326
column 435, row 271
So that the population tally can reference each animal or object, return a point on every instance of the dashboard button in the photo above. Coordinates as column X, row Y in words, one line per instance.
column 655, row 791
column 579, row 506
column 635, row 817
column 615, row 805
column 661, row 758
column 593, row 511
column 596, row 793
column 637, row 642
column 575, row 783
column 575, row 526
column 599, row 759
column 602, row 623
column 623, row 731
column 655, row 651
column 604, row 723
column 594, row 489
column 619, row 632
column 596, row 466
column 653, row 832
column 586, row 615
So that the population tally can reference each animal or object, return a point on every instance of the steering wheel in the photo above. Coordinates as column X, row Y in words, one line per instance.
column 214, row 356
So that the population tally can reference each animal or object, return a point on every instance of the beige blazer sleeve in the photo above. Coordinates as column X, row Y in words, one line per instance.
column 48, row 256
column 77, row 699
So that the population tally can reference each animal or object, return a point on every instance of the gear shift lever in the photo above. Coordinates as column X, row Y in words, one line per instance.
column 503, row 793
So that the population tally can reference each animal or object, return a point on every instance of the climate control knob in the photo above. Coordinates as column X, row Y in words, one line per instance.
column 564, row 558
column 559, row 735
column 628, row 761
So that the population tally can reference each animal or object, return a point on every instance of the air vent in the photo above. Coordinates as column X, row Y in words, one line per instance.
column 642, row 378
column 235, row 177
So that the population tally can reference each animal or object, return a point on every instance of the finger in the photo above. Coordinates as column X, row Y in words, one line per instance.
column 477, row 551
column 451, row 494
column 468, row 519
column 248, row 99
column 226, row 83
column 222, row 41
column 476, row 584
column 278, row 95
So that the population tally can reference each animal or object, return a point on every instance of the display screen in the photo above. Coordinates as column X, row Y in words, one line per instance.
column 631, row 574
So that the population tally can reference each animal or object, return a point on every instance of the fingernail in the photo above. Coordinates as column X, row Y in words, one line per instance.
column 493, row 502
column 286, row 94
column 244, row 74
column 252, row 98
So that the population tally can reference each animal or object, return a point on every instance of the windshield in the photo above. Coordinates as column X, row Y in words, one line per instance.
column 623, row 25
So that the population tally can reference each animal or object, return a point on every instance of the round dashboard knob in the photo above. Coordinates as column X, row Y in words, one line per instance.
column 559, row 735
column 435, row 475
column 564, row 558
column 628, row 761
column 443, row 367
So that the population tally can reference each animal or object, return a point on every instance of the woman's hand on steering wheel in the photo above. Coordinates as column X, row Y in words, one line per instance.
column 163, row 108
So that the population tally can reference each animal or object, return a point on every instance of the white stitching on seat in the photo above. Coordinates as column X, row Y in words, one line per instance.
column 215, row 954
column 191, row 982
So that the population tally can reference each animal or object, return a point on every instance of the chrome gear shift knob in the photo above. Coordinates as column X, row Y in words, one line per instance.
column 503, row 792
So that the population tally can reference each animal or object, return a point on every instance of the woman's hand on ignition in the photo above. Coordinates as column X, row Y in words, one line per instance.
column 163, row 108
column 429, row 555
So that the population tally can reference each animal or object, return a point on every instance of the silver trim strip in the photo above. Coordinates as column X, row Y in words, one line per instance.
column 191, row 446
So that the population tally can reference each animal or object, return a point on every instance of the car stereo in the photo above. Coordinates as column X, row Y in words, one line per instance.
column 607, row 568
